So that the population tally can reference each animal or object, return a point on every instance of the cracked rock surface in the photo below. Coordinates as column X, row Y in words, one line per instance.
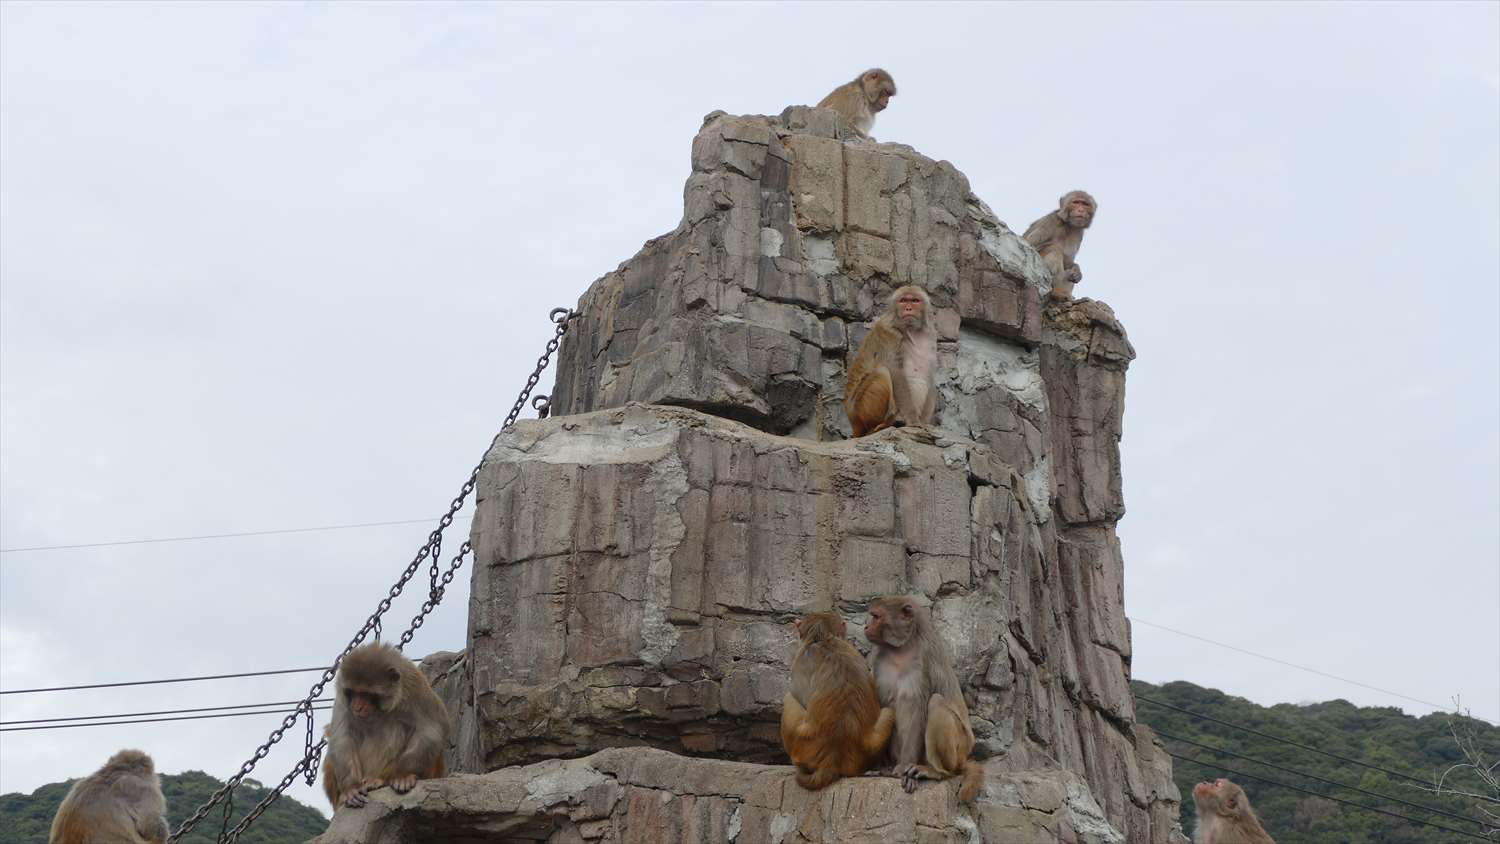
column 639, row 556
column 655, row 797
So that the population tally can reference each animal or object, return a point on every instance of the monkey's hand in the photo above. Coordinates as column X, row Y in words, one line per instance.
column 403, row 783
column 911, row 773
column 354, row 797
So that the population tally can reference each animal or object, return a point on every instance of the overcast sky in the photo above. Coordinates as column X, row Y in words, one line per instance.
column 271, row 266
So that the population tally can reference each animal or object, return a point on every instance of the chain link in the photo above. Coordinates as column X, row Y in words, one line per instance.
column 308, row 766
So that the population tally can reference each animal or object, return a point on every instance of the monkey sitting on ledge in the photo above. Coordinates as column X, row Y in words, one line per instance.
column 859, row 101
column 388, row 727
column 890, row 382
column 831, row 722
column 1057, row 238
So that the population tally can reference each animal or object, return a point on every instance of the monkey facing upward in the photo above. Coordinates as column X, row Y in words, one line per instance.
column 1057, row 237
column 890, row 382
column 832, row 724
column 121, row 803
column 388, row 727
column 1225, row 816
column 914, row 676
column 860, row 100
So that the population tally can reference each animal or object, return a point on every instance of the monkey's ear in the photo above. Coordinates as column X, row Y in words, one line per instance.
column 393, row 675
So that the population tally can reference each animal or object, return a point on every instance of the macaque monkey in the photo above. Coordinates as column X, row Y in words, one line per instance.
column 1225, row 816
column 890, row 382
column 858, row 101
column 388, row 727
column 831, row 721
column 1057, row 237
column 914, row 676
column 120, row 802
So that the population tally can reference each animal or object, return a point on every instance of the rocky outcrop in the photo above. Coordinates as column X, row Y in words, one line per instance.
column 654, row 797
column 639, row 555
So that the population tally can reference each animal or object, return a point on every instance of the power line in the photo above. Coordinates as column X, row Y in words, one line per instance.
column 1213, row 766
column 158, row 682
column 1437, row 706
column 1253, row 731
column 157, row 720
column 159, row 712
column 1336, row 784
column 218, row 535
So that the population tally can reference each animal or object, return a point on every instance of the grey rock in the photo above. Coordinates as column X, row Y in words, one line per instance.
column 651, row 796
column 639, row 555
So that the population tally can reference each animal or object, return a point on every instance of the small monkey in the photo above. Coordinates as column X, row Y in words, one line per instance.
column 914, row 676
column 1225, row 816
column 890, row 382
column 388, row 727
column 120, row 802
column 832, row 724
column 860, row 100
column 1057, row 238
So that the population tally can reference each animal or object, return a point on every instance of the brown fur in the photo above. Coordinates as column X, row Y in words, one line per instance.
column 891, row 381
column 914, row 676
column 859, row 101
column 1225, row 816
column 121, row 803
column 400, row 741
column 1058, row 236
column 831, row 721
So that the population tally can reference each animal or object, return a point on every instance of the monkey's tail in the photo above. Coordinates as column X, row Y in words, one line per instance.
column 973, row 780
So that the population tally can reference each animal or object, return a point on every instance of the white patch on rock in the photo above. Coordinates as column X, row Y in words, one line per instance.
column 669, row 477
column 591, row 446
column 1010, row 250
column 965, row 824
column 818, row 255
column 564, row 781
column 984, row 360
column 770, row 243
column 733, row 827
column 1039, row 489
column 1088, row 819
column 780, row 826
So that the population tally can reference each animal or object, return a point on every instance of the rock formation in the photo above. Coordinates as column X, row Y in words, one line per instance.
column 639, row 555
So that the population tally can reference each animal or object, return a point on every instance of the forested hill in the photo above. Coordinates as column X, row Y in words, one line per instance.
column 25, row 818
column 1377, row 736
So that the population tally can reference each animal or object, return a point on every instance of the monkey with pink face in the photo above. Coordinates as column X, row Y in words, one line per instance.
column 388, row 727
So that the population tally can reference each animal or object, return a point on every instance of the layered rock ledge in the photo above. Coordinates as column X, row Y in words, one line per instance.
column 655, row 797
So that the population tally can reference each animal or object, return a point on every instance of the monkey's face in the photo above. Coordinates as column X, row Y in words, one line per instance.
column 362, row 702
column 890, row 625
column 1080, row 212
column 911, row 309
column 879, row 88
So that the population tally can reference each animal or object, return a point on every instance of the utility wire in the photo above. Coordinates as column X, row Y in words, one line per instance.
column 158, row 682
column 1253, row 731
column 280, row 711
column 1438, row 706
column 1377, row 795
column 160, row 712
column 1214, row 766
column 196, row 537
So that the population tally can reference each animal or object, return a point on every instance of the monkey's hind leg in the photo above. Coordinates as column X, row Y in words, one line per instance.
column 874, row 408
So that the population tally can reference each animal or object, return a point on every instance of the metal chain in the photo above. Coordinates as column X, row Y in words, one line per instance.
column 562, row 318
